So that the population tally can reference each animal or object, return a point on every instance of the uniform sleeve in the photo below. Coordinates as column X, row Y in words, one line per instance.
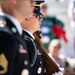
column 6, row 53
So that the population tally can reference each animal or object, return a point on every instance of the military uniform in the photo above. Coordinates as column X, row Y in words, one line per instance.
column 37, row 63
column 14, row 58
column 36, row 59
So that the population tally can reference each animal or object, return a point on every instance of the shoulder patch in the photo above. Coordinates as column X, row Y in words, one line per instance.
column 3, row 64
column 22, row 50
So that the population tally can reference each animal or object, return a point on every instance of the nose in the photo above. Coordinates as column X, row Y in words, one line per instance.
column 41, row 19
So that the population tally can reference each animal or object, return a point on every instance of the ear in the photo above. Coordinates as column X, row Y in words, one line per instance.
column 26, row 19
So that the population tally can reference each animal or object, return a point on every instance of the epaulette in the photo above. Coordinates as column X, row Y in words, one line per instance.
column 3, row 25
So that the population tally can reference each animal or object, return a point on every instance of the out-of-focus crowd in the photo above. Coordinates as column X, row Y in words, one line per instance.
column 53, row 34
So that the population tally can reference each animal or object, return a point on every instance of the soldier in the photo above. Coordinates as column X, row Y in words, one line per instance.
column 14, row 57
column 31, row 25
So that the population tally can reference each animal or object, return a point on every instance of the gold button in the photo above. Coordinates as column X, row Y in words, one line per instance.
column 2, row 23
column 40, row 62
column 14, row 29
column 25, row 72
column 26, row 62
column 39, row 70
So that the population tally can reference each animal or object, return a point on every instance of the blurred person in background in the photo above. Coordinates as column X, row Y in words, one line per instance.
column 51, row 27
column 54, row 48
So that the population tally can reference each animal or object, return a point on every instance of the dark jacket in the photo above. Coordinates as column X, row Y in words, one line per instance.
column 14, row 58
column 36, row 61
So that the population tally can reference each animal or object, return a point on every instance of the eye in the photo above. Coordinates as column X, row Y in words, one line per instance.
column 37, row 16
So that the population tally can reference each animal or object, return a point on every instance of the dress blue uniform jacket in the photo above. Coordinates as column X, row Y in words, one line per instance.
column 14, row 57
column 37, row 63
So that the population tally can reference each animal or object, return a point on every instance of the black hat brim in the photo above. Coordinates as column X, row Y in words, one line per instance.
column 38, row 13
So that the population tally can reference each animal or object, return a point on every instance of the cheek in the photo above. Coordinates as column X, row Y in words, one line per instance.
column 37, row 25
column 28, row 4
column 38, row 22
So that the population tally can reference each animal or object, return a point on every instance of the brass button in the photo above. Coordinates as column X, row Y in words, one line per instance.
column 26, row 62
column 2, row 23
column 14, row 29
column 39, row 70
column 40, row 62
column 25, row 72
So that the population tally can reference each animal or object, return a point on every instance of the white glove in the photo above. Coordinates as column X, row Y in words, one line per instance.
column 58, row 73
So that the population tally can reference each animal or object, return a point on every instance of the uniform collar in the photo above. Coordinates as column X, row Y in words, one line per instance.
column 29, row 33
column 14, row 21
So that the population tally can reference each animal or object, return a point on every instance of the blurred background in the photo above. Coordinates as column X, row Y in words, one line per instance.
column 59, row 9
column 59, row 25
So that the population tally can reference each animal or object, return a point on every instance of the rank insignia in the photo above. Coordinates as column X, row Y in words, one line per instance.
column 2, row 23
column 39, row 53
column 3, row 64
column 22, row 50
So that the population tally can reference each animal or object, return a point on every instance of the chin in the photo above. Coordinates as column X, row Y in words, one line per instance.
column 39, row 29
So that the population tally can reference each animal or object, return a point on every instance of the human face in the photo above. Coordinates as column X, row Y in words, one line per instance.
column 35, row 22
column 32, row 24
column 25, row 7
column 56, row 50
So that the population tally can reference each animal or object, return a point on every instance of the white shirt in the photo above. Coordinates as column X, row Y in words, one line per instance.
column 29, row 33
column 14, row 21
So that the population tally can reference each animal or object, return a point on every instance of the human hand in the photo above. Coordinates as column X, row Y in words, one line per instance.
column 58, row 73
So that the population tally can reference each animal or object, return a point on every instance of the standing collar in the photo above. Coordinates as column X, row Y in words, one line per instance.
column 14, row 21
column 29, row 33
